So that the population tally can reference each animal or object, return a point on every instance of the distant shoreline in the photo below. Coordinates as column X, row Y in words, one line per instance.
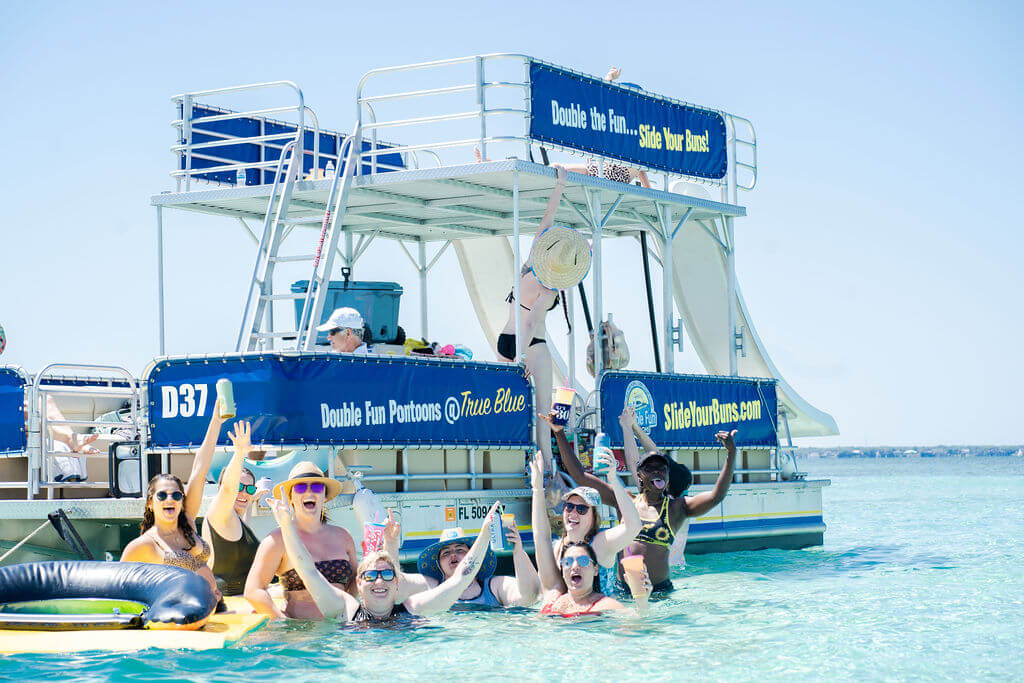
column 879, row 452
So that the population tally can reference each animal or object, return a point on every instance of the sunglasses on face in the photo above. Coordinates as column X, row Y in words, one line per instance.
column 582, row 561
column 336, row 330
column 164, row 495
column 373, row 574
column 248, row 488
column 315, row 487
column 578, row 507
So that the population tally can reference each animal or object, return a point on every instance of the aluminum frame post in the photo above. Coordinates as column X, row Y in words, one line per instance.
column 422, row 267
column 594, row 204
column 160, row 276
column 516, row 267
column 482, row 105
column 667, row 287
column 731, row 265
column 570, row 303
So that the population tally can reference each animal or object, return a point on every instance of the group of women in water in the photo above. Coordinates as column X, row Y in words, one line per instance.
column 320, row 576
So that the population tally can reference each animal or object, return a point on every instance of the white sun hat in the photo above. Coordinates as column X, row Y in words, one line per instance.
column 560, row 257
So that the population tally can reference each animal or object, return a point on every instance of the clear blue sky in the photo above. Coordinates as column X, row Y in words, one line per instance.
column 880, row 259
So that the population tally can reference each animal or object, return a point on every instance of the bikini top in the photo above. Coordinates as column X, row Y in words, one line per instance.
column 335, row 571
column 186, row 559
column 511, row 297
column 658, row 532
column 548, row 609
column 362, row 616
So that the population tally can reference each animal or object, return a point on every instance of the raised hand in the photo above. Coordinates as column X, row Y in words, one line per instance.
column 613, row 74
column 513, row 537
column 549, row 418
column 241, row 438
column 392, row 531
column 605, row 457
column 728, row 440
column 628, row 418
column 283, row 513
column 537, row 471
column 215, row 418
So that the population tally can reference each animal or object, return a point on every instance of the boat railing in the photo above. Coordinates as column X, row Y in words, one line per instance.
column 498, row 124
column 89, row 381
column 222, row 145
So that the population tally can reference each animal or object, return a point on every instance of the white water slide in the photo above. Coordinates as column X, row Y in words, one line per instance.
column 701, row 295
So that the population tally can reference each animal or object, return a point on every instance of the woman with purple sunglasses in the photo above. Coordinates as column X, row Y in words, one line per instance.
column 332, row 549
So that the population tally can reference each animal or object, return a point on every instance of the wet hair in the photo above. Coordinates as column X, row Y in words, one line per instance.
column 596, row 526
column 373, row 558
column 245, row 470
column 149, row 518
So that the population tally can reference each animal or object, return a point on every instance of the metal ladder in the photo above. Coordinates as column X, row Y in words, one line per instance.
column 259, row 302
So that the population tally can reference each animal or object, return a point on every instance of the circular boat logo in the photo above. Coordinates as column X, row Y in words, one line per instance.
column 638, row 397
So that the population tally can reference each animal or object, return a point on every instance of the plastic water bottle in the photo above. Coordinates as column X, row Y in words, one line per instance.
column 601, row 441
column 368, row 507
column 240, row 177
column 329, row 171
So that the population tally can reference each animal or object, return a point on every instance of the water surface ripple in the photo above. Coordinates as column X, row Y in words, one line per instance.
column 920, row 578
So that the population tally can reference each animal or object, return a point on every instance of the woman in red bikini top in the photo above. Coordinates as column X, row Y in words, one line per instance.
column 579, row 567
column 332, row 549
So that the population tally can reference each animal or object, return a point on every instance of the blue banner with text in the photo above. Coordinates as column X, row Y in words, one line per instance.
column 685, row 411
column 355, row 401
column 592, row 115
column 13, row 437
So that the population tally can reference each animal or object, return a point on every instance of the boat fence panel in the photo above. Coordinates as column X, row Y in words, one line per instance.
column 685, row 411
column 13, row 435
column 358, row 402
column 260, row 141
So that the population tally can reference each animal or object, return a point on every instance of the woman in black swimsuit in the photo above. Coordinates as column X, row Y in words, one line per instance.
column 377, row 579
column 535, row 300
column 226, row 527
column 331, row 548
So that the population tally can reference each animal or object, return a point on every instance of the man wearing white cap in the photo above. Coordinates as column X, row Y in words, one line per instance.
column 345, row 331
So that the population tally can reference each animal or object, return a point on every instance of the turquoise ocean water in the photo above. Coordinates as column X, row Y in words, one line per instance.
column 921, row 577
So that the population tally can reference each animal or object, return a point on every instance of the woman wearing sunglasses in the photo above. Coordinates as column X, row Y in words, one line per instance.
column 570, row 592
column 377, row 580
column 169, row 534
column 331, row 548
column 226, row 526
column 582, row 519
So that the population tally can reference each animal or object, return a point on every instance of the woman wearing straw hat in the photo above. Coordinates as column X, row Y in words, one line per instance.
column 559, row 259
column 376, row 600
column 332, row 549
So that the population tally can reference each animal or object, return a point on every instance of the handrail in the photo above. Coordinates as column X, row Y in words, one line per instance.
column 38, row 411
column 187, row 100
column 744, row 140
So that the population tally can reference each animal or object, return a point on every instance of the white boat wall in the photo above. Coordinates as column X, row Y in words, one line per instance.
column 438, row 439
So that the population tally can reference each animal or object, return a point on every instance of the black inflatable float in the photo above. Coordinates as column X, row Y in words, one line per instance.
column 172, row 597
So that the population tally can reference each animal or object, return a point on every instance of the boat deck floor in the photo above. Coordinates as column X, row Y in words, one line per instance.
column 457, row 202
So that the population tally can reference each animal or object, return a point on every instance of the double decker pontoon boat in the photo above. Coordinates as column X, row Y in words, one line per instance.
column 437, row 439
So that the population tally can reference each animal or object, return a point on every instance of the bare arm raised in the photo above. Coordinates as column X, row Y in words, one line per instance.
column 445, row 594
column 201, row 464
column 550, row 578
column 702, row 502
column 221, row 515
